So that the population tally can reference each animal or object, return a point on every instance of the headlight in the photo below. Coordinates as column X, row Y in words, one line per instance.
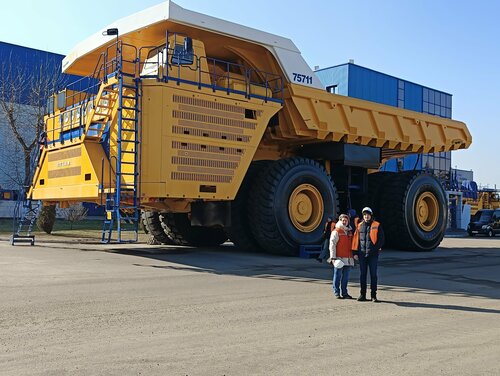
column 484, row 227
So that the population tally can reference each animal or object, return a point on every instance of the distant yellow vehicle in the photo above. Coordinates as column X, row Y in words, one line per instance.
column 486, row 199
column 216, row 131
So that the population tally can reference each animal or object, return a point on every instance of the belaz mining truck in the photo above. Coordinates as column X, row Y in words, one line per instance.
column 218, row 131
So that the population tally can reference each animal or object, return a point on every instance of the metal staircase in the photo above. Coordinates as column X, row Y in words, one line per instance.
column 103, row 111
column 26, row 210
column 25, row 215
column 122, row 205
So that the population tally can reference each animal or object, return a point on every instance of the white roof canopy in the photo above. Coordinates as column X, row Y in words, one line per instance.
column 142, row 28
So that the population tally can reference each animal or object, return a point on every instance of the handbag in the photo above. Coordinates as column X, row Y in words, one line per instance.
column 338, row 264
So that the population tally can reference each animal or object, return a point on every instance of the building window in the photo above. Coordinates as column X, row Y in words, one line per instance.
column 436, row 103
column 401, row 94
column 438, row 164
column 332, row 89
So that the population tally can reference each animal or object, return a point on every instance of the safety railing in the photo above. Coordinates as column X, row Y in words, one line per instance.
column 70, row 116
column 75, row 104
column 171, row 64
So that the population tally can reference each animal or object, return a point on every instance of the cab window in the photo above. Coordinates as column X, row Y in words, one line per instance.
column 182, row 55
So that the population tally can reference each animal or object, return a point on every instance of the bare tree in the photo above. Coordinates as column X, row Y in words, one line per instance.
column 24, row 89
column 75, row 213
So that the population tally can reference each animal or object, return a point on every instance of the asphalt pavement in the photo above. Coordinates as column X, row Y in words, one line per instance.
column 72, row 308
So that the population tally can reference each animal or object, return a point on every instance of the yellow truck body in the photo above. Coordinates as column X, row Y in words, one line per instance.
column 185, row 105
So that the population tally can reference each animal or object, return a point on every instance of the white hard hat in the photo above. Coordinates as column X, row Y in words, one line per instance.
column 367, row 209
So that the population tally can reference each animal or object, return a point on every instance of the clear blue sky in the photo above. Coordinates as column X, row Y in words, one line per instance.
column 449, row 45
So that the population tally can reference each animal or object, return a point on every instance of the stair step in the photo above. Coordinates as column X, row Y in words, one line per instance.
column 128, row 207
column 129, row 108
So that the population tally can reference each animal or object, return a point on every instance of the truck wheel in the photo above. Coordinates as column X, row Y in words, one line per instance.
column 154, row 227
column 142, row 223
column 415, row 211
column 289, row 205
column 490, row 233
column 178, row 227
column 239, row 232
column 376, row 187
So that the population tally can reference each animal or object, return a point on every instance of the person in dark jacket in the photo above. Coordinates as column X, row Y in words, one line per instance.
column 325, row 251
column 367, row 244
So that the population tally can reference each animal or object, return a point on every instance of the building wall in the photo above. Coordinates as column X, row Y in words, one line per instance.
column 372, row 86
column 335, row 79
column 11, row 153
column 26, row 65
column 462, row 175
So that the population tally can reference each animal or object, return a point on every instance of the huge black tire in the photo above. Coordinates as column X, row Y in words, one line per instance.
column 289, row 205
column 239, row 232
column 178, row 227
column 153, row 224
column 142, row 223
column 414, row 211
column 376, row 187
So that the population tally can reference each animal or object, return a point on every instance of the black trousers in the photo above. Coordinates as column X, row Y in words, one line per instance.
column 365, row 263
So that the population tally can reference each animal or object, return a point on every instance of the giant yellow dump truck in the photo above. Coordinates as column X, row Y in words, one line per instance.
column 218, row 131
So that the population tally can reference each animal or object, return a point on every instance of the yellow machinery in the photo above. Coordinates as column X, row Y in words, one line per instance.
column 486, row 199
column 220, row 131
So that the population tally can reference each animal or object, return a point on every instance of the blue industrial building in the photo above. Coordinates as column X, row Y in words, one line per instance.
column 26, row 67
column 359, row 82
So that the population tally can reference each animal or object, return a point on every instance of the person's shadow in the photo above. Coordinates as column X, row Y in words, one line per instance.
column 442, row 306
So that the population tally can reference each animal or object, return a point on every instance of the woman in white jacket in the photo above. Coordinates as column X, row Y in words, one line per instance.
column 341, row 249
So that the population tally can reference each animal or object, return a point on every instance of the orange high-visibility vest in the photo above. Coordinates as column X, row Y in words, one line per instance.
column 343, row 248
column 373, row 234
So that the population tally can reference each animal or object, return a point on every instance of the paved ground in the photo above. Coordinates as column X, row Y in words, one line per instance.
column 74, row 309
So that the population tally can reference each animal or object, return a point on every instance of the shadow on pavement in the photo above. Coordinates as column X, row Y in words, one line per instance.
column 443, row 306
column 453, row 271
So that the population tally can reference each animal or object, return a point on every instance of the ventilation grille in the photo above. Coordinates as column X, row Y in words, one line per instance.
column 204, row 163
column 209, row 134
column 206, row 148
column 201, row 177
column 213, row 120
column 208, row 104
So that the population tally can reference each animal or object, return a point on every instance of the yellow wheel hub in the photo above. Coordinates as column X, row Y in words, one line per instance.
column 305, row 207
column 427, row 211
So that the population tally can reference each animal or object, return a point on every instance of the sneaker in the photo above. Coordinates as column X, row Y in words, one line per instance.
column 374, row 298
column 362, row 298
column 338, row 296
column 347, row 296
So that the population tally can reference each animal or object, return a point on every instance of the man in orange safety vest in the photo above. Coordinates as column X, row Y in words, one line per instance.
column 367, row 244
